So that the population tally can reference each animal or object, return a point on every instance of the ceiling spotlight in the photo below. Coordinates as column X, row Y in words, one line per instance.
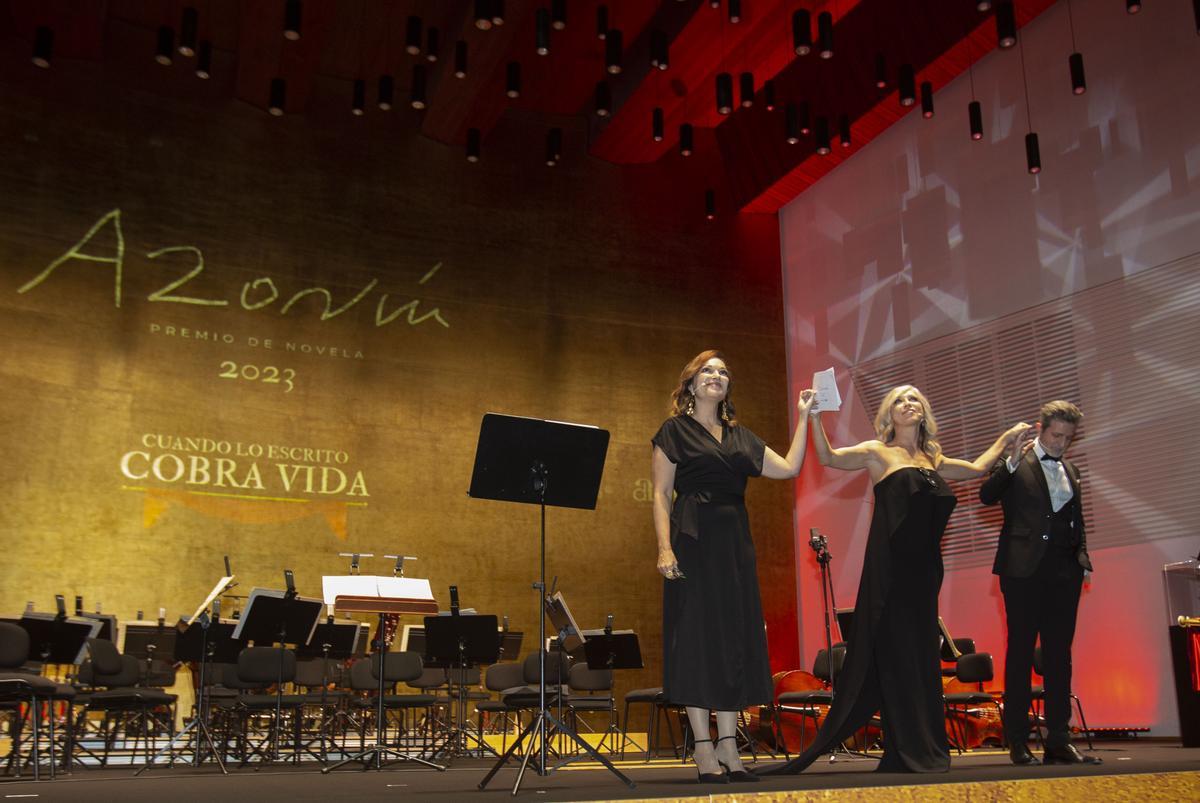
column 278, row 97
column 433, row 44
column 613, row 51
column 686, row 139
column 358, row 102
column 387, row 90
column 746, row 89
column 43, row 46
column 660, row 52
column 791, row 124
column 483, row 21
column 1131, row 7
column 710, row 205
column 907, row 89
column 601, row 21
column 822, row 135
column 735, row 11
column 166, row 45
column 1006, row 24
column 1033, row 156
column 825, row 35
column 512, row 86
column 558, row 14
column 460, row 59
column 541, row 31
column 880, row 71
column 603, row 99
column 412, row 36
column 769, row 94
column 188, row 25
column 553, row 146
column 724, row 93
column 1078, row 81
column 844, row 130
column 926, row 100
column 802, row 32
column 291, row 20
column 204, row 60
column 472, row 145
column 975, row 115
column 416, row 94
column 657, row 126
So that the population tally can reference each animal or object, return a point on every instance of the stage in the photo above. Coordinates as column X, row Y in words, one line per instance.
column 1140, row 769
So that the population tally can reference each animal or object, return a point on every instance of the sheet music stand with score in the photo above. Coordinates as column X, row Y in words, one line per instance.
column 383, row 596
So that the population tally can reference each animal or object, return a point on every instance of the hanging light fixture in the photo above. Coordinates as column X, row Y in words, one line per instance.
column 660, row 50
column 1196, row 14
column 416, row 93
column 805, row 119
column 603, row 99
column 735, row 11
column 926, row 100
column 1033, row 155
column 975, row 116
column 710, row 204
column 473, row 145
column 460, row 59
column 1006, row 24
column 497, row 12
column 802, row 32
column 1075, row 60
column 686, row 141
column 844, row 130
column 558, row 15
column 825, row 35
column 769, row 94
column 166, row 45
column 791, row 124
column 724, row 93
column 412, row 36
column 358, row 101
column 483, row 19
column 553, row 146
column 43, row 46
column 433, row 44
column 613, row 51
column 821, row 135
column 983, row 5
column 746, row 89
column 880, row 71
column 277, row 97
column 387, row 90
column 907, row 85
column 1133, row 6
column 513, row 82
column 601, row 21
column 292, row 13
column 204, row 60
column 657, row 125
column 188, row 25
column 541, row 31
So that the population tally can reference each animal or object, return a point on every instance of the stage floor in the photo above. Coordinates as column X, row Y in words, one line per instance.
column 1137, row 770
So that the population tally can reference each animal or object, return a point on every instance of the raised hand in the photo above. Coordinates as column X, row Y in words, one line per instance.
column 807, row 401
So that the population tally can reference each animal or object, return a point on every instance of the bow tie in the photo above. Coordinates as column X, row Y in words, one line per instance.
column 1052, row 458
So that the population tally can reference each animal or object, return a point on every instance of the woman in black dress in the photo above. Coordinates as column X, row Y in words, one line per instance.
column 714, row 646
column 893, row 651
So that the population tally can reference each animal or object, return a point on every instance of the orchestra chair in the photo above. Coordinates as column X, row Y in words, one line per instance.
column 256, row 671
column 972, row 668
column 805, row 703
column 590, row 690
column 659, row 707
column 321, row 704
column 398, row 667
column 23, row 696
column 127, row 705
column 500, row 678
column 1038, row 696
column 527, row 698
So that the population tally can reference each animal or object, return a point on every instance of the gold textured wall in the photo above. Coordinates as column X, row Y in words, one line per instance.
column 305, row 320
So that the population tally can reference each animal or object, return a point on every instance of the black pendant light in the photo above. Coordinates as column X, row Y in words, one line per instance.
column 558, row 15
column 166, row 45
column 825, row 35
column 821, row 135
column 277, row 97
column 880, row 71
column 292, row 14
column 926, row 100
column 553, row 146
column 460, row 59
column 433, row 44
column 724, row 93
column 769, row 94
column 975, row 116
column 710, row 204
column 188, row 27
column 358, row 100
column 603, row 99
column 512, row 84
column 417, row 91
column 746, row 89
column 387, row 91
column 791, row 124
column 412, row 36
column 657, row 124
column 43, row 46
column 844, row 130
column 613, row 51
column 541, row 31
column 1006, row 24
column 686, row 139
column 204, row 60
column 907, row 85
column 473, row 150
column 802, row 32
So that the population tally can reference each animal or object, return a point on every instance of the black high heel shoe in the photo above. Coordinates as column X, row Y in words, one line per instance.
column 710, row 777
column 736, row 776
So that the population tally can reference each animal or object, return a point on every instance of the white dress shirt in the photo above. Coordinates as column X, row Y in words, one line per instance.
column 1056, row 477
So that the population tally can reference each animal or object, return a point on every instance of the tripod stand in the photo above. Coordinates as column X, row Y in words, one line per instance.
column 513, row 462
column 460, row 642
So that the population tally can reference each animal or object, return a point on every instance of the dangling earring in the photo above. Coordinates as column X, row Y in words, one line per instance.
column 724, row 411
column 691, row 404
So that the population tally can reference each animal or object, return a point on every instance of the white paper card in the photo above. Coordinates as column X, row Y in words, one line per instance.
column 825, row 385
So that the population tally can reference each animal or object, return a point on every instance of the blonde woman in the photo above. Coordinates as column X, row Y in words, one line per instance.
column 892, row 659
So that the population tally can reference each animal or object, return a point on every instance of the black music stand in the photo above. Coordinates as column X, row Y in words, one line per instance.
column 108, row 624
column 58, row 639
column 542, row 463
column 458, row 643
column 331, row 639
column 148, row 641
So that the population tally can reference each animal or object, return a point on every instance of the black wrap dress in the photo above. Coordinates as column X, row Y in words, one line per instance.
column 714, row 645
column 893, row 662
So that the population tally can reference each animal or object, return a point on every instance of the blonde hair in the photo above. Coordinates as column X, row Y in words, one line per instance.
column 681, row 397
column 885, row 429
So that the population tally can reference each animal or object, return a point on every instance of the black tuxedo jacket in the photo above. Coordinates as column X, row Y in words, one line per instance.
column 1025, row 498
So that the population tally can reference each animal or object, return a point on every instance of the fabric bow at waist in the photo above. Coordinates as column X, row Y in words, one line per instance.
column 685, row 514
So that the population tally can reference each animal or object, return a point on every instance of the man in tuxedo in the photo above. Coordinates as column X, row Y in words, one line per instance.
column 1042, row 559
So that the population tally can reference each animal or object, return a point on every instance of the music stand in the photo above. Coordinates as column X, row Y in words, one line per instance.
column 457, row 643
column 280, row 618
column 612, row 649
column 331, row 639
column 541, row 463
column 108, row 624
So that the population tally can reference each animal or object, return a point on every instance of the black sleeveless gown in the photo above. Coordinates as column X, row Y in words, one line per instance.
column 893, row 660
column 714, row 645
